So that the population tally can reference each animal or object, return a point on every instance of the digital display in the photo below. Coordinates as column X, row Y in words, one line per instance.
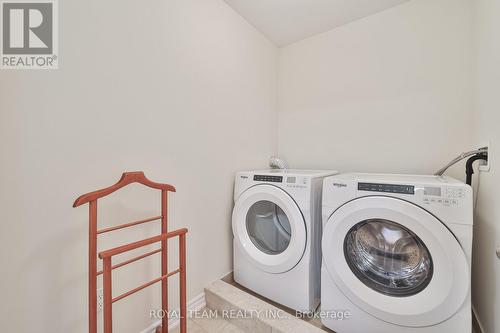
column 273, row 179
column 387, row 188
column 434, row 191
column 291, row 180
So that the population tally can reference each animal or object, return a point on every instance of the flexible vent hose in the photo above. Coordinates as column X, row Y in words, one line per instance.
column 460, row 157
column 277, row 163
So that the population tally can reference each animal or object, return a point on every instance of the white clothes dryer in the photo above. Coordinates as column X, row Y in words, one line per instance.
column 277, row 235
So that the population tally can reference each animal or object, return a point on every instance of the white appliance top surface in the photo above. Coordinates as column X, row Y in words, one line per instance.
column 292, row 172
column 406, row 179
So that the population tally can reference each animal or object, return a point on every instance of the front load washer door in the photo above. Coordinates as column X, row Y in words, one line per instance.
column 269, row 227
column 395, row 261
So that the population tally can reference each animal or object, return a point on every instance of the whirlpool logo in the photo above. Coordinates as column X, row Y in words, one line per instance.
column 339, row 185
column 29, row 34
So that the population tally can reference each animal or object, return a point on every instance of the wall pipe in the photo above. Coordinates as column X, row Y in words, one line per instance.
column 469, row 170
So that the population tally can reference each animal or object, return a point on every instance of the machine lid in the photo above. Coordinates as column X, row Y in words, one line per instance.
column 269, row 227
column 396, row 261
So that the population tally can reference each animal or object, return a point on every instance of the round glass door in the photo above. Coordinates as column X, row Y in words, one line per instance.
column 388, row 257
column 268, row 227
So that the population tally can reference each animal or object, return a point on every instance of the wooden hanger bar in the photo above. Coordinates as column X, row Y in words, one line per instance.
column 126, row 179
column 135, row 245
column 142, row 256
column 145, row 285
column 127, row 225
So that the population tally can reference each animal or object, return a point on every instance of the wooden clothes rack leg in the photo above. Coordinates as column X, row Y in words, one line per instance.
column 108, row 298
column 91, row 198
column 93, row 266
column 164, row 263
column 182, row 282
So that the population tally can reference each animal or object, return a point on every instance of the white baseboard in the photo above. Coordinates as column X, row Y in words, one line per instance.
column 193, row 305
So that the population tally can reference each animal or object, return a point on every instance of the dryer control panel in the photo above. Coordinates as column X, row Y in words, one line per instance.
column 264, row 178
column 289, row 181
column 297, row 182
column 447, row 196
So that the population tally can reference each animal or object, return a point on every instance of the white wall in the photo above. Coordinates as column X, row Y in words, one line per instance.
column 182, row 89
column 486, row 267
column 387, row 93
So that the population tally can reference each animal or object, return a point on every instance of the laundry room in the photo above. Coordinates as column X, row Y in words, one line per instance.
column 250, row 166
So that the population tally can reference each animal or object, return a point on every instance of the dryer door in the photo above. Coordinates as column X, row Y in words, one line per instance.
column 269, row 228
column 396, row 261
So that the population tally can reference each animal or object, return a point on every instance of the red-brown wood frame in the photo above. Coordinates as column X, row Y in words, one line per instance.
column 106, row 256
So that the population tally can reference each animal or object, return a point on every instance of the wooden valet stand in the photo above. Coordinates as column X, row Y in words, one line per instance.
column 106, row 256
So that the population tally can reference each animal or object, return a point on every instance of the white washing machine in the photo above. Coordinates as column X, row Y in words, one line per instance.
column 277, row 235
column 396, row 254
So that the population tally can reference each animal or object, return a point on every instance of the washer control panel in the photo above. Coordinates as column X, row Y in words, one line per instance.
column 448, row 196
column 452, row 192
column 387, row 188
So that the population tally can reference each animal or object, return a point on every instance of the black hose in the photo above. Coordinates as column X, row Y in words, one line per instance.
column 469, row 170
